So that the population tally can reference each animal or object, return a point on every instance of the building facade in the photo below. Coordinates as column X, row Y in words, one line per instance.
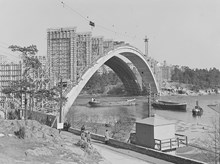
column 83, row 53
column 9, row 72
column 61, row 54
column 97, row 47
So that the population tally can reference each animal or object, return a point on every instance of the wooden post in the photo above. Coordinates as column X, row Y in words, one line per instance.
column 61, row 101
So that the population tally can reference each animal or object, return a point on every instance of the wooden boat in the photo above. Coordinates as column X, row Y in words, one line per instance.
column 197, row 110
column 169, row 105
column 94, row 103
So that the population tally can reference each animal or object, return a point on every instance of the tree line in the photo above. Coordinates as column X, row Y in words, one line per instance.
column 199, row 78
column 99, row 83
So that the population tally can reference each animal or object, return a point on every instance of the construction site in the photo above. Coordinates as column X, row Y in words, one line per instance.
column 70, row 53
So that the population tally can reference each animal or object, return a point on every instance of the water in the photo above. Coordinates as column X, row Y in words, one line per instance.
column 193, row 127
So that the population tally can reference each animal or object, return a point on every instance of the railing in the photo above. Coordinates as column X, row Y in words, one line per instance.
column 172, row 143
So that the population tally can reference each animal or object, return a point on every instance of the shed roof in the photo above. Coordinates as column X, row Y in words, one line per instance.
column 155, row 121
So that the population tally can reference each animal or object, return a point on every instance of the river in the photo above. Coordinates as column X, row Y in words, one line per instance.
column 193, row 127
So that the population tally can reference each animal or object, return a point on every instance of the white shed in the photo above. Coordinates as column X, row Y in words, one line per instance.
column 151, row 128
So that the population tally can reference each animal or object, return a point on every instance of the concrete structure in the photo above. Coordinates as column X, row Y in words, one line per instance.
column 9, row 72
column 151, row 128
column 43, row 60
column 108, row 45
column 83, row 53
column 137, row 74
column 62, row 54
column 69, row 53
column 97, row 47
column 114, row 61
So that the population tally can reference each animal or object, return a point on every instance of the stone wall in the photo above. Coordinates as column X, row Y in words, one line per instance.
column 142, row 150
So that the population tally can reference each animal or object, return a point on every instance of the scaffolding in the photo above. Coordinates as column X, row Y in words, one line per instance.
column 61, row 54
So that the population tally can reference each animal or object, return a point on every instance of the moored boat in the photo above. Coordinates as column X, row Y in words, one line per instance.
column 197, row 110
column 94, row 103
column 97, row 103
column 169, row 105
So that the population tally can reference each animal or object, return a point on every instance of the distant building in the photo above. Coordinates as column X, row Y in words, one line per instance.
column 9, row 72
column 84, row 52
column 43, row 60
column 166, row 72
column 108, row 45
column 62, row 54
column 97, row 47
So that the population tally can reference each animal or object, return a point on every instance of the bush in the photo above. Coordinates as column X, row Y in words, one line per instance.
column 20, row 133
column 12, row 115
column 66, row 126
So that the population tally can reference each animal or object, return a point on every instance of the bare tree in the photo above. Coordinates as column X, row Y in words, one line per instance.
column 122, row 128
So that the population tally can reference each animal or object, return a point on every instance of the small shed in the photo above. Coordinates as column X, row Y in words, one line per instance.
column 150, row 129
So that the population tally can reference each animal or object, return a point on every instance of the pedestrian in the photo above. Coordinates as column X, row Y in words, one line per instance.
column 106, row 136
column 83, row 128
column 83, row 136
column 88, row 137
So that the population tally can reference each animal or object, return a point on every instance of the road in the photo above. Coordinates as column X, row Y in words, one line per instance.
column 118, row 156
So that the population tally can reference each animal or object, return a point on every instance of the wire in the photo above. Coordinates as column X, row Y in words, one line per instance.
column 93, row 24
column 67, row 6
column 3, row 53
column 8, row 48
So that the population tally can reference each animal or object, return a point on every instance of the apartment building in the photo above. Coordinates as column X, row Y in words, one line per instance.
column 9, row 72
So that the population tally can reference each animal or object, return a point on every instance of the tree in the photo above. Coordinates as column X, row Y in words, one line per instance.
column 122, row 127
column 32, row 81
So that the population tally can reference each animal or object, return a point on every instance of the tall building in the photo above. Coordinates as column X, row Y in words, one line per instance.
column 97, row 47
column 108, row 45
column 42, row 59
column 61, row 54
column 9, row 72
column 84, row 52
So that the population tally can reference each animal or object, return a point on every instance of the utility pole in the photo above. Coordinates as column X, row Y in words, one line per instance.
column 61, row 101
column 149, row 101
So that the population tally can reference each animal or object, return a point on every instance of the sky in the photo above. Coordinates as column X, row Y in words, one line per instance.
column 182, row 32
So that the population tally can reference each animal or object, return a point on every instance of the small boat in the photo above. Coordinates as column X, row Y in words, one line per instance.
column 197, row 110
column 131, row 102
column 169, row 105
column 94, row 103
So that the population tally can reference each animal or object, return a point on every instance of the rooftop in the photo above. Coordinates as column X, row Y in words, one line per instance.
column 156, row 121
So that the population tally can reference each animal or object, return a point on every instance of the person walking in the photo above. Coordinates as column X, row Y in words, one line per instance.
column 83, row 136
column 106, row 136
column 88, row 137
column 83, row 128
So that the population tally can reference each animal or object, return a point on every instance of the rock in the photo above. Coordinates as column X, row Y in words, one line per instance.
column 2, row 135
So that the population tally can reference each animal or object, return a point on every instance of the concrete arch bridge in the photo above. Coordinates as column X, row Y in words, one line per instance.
column 113, row 59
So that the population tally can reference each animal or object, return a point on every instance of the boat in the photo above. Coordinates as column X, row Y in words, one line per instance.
column 97, row 103
column 169, row 105
column 94, row 103
column 131, row 102
column 197, row 110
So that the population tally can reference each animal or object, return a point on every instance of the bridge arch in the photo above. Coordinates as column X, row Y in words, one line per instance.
column 114, row 61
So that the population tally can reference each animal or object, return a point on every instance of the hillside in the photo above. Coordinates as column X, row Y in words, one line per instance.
column 41, row 144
